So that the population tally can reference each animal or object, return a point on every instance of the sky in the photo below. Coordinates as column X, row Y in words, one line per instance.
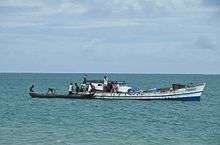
column 110, row 36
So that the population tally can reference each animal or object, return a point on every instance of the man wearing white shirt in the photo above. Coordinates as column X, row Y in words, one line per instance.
column 105, row 83
column 70, row 89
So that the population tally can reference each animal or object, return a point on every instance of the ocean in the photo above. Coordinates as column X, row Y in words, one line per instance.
column 33, row 121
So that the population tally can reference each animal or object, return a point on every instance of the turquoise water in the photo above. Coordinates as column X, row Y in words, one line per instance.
column 27, row 121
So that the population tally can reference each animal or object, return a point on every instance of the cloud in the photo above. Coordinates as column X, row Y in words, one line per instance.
column 214, row 5
column 18, row 3
column 73, row 8
column 97, row 13
column 212, row 2
column 44, row 8
column 204, row 43
column 20, row 13
column 106, row 23
column 149, row 8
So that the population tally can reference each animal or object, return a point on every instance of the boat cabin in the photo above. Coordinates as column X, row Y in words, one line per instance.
column 120, row 87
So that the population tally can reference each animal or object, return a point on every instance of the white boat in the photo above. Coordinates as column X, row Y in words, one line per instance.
column 176, row 92
column 181, row 93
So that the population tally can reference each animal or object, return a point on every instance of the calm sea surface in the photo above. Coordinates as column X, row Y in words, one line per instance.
column 27, row 121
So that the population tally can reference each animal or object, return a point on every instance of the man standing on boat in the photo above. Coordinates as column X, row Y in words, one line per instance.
column 84, row 79
column 31, row 89
column 105, row 83
column 70, row 89
column 84, row 83
column 77, row 88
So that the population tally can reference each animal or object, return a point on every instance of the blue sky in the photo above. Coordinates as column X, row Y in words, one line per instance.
column 127, row 36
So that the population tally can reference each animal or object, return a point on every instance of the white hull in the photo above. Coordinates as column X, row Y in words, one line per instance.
column 192, row 93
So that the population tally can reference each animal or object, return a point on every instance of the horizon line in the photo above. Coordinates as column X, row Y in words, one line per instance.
column 141, row 73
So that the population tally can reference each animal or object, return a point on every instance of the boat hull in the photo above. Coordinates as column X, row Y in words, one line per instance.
column 184, row 97
column 54, row 95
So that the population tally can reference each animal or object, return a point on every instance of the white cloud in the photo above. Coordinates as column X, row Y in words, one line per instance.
column 44, row 8
column 73, row 8
column 35, row 13
column 99, row 13
column 152, row 7
column 18, row 3
column 19, row 24
column 107, row 23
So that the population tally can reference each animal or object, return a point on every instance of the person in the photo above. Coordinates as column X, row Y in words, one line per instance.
column 77, row 88
column 84, row 79
column 31, row 88
column 70, row 89
column 83, row 87
column 105, row 83
column 109, row 87
column 115, row 88
column 90, row 87
column 51, row 90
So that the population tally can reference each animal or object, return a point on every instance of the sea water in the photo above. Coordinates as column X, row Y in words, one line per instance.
column 33, row 121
